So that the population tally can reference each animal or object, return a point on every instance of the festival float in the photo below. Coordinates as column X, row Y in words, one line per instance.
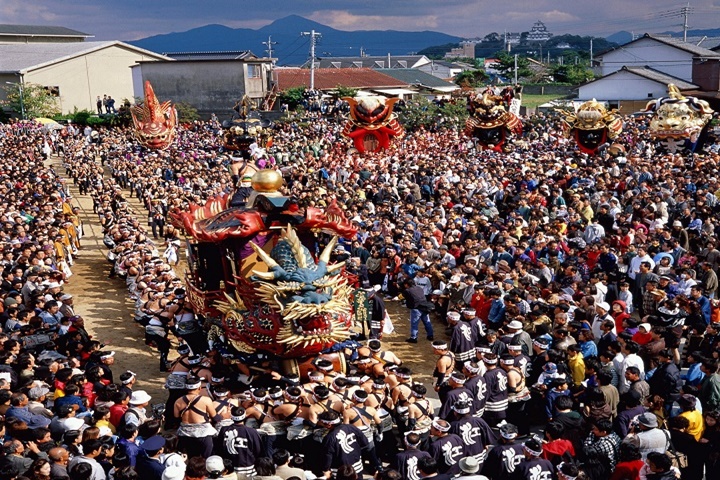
column 679, row 122
column 491, row 123
column 155, row 123
column 264, row 270
column 372, row 124
column 592, row 125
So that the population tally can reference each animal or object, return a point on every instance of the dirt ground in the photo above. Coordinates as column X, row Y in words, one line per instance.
column 108, row 311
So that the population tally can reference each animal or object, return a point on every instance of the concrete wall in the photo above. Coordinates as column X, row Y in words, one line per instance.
column 82, row 79
column 650, row 53
column 209, row 86
column 622, row 86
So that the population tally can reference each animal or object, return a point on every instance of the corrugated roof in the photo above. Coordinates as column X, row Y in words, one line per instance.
column 687, row 46
column 377, row 61
column 40, row 30
column 221, row 55
column 671, row 41
column 413, row 76
column 660, row 77
column 330, row 78
column 23, row 57
column 650, row 74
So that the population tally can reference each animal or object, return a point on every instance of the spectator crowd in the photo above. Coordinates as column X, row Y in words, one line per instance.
column 570, row 303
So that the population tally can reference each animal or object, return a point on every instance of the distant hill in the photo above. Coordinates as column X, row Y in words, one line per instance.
column 621, row 38
column 292, row 49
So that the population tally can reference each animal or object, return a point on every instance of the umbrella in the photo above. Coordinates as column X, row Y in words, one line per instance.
column 49, row 123
column 44, row 120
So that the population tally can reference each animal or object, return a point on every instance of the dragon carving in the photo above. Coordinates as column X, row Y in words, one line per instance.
column 678, row 121
column 591, row 125
column 490, row 123
column 372, row 123
column 282, row 300
column 303, row 306
column 155, row 123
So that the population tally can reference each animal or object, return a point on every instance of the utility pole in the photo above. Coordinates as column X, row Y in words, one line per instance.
column 313, row 40
column 685, row 11
column 591, row 52
column 516, row 69
column 269, row 44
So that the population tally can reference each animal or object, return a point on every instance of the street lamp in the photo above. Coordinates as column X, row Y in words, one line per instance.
column 22, row 97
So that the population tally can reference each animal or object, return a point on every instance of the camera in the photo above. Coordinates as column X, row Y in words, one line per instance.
column 158, row 410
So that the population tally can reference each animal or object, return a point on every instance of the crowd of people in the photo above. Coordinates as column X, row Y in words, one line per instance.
column 570, row 302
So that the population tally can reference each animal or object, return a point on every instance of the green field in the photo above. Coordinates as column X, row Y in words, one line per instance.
column 532, row 101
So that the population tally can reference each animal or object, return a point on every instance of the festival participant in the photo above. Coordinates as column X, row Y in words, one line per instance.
column 195, row 413
column 342, row 445
column 240, row 444
column 446, row 448
column 503, row 458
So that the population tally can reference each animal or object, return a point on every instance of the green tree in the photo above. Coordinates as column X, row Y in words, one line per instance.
column 292, row 96
column 572, row 74
column 35, row 100
column 343, row 91
column 454, row 114
column 471, row 78
column 506, row 65
column 186, row 113
column 418, row 113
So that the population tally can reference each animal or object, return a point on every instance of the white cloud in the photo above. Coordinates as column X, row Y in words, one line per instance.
column 344, row 20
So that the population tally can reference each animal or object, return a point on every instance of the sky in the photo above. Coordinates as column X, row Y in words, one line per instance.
column 134, row 19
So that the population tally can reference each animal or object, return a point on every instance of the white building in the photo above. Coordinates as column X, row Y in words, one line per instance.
column 669, row 55
column 76, row 71
column 630, row 88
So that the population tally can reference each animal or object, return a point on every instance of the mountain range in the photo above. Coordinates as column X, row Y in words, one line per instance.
column 292, row 48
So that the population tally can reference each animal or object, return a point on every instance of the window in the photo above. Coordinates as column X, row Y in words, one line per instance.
column 254, row 70
column 53, row 91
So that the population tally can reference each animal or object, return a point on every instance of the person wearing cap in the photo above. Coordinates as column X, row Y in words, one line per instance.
column 469, row 468
column 136, row 414
column 406, row 462
column 66, row 306
column 239, row 443
column 504, row 457
column 446, row 448
column 148, row 464
column 37, row 397
column 696, row 424
column 533, row 466
column 343, row 445
column 645, row 434
column 518, row 336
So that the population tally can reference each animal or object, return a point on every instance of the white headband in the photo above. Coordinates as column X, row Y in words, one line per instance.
column 440, row 427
